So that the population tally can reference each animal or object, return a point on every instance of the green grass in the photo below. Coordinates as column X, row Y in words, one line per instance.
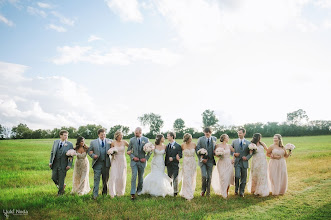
column 25, row 183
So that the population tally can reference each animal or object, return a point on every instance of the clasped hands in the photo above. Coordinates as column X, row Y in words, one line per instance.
column 177, row 158
column 238, row 154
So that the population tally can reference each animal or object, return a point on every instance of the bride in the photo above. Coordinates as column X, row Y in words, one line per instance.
column 157, row 183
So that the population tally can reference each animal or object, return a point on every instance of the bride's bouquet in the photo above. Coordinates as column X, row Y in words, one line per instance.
column 71, row 153
column 202, row 152
column 149, row 147
column 252, row 147
column 219, row 152
column 289, row 147
column 112, row 151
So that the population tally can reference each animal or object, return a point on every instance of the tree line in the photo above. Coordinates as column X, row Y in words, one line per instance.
column 297, row 124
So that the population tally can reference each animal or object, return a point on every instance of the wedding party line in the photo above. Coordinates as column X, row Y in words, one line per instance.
column 264, row 178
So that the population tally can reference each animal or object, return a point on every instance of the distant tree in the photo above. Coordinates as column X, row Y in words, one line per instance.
column 179, row 126
column 89, row 131
column 154, row 122
column 1, row 132
column 37, row 134
column 55, row 133
column 21, row 131
column 297, row 117
column 72, row 131
column 125, row 130
column 209, row 118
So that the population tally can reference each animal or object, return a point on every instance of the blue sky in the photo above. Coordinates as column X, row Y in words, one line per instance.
column 107, row 62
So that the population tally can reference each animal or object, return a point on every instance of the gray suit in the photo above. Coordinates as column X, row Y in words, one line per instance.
column 59, row 161
column 101, row 165
column 241, row 165
column 137, row 167
column 206, row 168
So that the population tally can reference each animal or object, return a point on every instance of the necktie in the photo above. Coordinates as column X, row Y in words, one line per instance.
column 61, row 145
column 139, row 141
column 103, row 144
column 169, row 145
column 241, row 144
column 208, row 142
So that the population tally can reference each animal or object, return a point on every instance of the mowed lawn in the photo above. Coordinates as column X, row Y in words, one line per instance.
column 25, row 182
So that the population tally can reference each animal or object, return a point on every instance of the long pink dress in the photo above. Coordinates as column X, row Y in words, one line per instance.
column 117, row 177
column 278, row 173
column 258, row 178
column 223, row 174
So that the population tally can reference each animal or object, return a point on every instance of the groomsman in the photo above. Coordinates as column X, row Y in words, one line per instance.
column 101, row 162
column 138, row 161
column 173, row 155
column 206, row 164
column 59, row 162
column 242, row 156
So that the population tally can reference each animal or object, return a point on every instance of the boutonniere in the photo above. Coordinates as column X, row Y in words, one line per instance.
column 173, row 146
column 244, row 142
column 109, row 141
column 214, row 142
column 143, row 142
column 65, row 144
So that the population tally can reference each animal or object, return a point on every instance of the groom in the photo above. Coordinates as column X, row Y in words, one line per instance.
column 173, row 155
column 206, row 164
column 59, row 162
column 101, row 161
column 242, row 156
column 138, row 160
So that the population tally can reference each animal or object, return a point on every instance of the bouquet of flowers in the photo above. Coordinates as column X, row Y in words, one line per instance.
column 71, row 153
column 202, row 152
column 289, row 147
column 219, row 152
column 252, row 147
column 149, row 147
column 112, row 151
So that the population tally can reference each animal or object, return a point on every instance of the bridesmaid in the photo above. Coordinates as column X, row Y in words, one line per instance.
column 81, row 184
column 277, row 166
column 258, row 178
column 223, row 175
column 189, row 170
column 117, row 180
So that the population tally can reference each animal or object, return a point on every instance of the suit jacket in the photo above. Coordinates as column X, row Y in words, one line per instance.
column 137, row 150
column 64, row 158
column 202, row 143
column 172, row 152
column 94, row 146
column 244, row 151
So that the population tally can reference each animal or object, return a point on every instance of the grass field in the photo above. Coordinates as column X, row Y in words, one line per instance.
column 25, row 182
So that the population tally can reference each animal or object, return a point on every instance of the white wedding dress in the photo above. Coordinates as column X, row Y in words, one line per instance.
column 157, row 183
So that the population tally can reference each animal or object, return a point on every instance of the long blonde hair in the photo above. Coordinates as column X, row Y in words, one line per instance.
column 280, row 140
column 117, row 134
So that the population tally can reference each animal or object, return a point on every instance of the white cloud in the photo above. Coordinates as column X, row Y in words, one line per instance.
column 93, row 38
column 128, row 10
column 44, row 102
column 35, row 11
column 63, row 19
column 6, row 21
column 323, row 3
column 115, row 56
column 44, row 5
column 56, row 28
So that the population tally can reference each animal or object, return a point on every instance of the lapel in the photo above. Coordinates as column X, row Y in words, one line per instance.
column 56, row 146
column 137, row 144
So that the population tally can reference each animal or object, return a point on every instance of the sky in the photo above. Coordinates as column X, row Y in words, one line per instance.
column 78, row 62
